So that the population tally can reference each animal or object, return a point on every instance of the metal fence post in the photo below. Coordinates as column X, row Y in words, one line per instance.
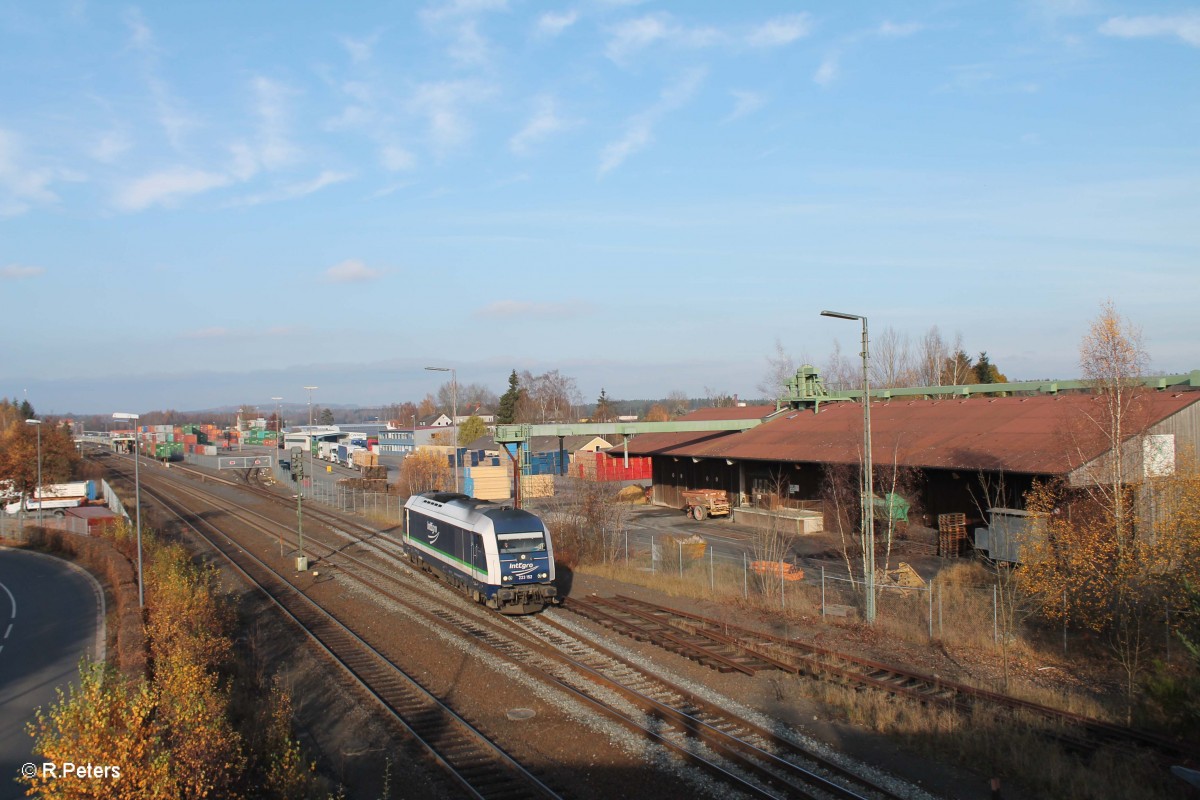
column 941, row 626
column 822, row 591
column 745, row 578
column 627, row 547
column 680, row 560
column 995, row 617
column 1064, row 622
column 712, row 575
column 931, row 608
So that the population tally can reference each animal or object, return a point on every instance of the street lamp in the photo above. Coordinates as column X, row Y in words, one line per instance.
column 454, row 410
column 38, row 493
column 868, row 498
column 137, row 499
column 311, row 477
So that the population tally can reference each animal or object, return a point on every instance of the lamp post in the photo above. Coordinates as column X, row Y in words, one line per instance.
column 137, row 499
column 38, row 492
column 311, row 477
column 868, row 498
column 454, row 411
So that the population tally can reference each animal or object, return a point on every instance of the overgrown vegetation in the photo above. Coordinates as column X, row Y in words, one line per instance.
column 171, row 730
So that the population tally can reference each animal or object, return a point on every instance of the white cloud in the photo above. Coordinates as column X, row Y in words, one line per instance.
column 507, row 309
column 395, row 158
column 360, row 50
column 351, row 271
column 827, row 72
column 1185, row 27
column 461, row 8
column 109, row 147
column 544, row 123
column 16, row 272
column 639, row 131
column 21, row 186
column 780, row 31
column 898, row 30
column 140, row 36
column 745, row 103
column 459, row 20
column 442, row 104
column 167, row 187
column 637, row 34
column 275, row 147
column 295, row 190
column 553, row 24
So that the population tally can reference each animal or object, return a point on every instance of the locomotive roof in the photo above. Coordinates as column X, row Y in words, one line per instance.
column 505, row 519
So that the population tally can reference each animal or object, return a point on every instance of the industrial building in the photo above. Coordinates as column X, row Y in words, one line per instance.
column 965, row 453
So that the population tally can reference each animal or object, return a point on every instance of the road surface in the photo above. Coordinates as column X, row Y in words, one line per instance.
column 51, row 615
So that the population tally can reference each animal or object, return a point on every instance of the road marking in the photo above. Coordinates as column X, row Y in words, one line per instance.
column 11, row 599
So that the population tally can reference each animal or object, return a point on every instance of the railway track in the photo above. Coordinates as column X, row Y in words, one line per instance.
column 748, row 757
column 728, row 647
column 478, row 767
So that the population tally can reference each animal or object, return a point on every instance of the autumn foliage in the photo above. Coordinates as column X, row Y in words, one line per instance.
column 169, row 732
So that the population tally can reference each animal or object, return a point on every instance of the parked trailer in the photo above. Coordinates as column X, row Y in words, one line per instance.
column 55, row 504
column 701, row 503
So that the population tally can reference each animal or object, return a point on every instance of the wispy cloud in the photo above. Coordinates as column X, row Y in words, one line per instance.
column 509, row 309
column 552, row 23
column 827, row 72
column 1185, row 27
column 109, row 146
column 167, row 187
column 396, row 158
column 360, row 50
column 633, row 35
column 898, row 30
column 544, row 123
column 351, row 271
column 16, row 272
column 294, row 191
column 639, row 131
column 459, row 21
column 745, row 104
column 21, row 186
column 443, row 105
column 780, row 31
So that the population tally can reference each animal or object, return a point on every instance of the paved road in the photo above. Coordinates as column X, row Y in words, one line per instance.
column 50, row 617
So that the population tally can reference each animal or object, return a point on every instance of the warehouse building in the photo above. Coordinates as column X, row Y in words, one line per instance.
column 965, row 454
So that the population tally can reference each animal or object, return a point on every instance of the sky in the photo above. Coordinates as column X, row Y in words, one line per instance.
column 209, row 204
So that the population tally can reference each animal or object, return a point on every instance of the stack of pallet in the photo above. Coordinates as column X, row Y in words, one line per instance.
column 952, row 535
column 373, row 473
column 364, row 458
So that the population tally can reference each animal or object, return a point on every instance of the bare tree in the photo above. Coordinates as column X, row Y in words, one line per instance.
column 839, row 372
column 958, row 367
column 781, row 368
column 550, row 397
column 677, row 403
column 891, row 360
column 772, row 542
column 931, row 358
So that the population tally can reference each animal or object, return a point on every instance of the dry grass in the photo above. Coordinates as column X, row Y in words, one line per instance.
column 979, row 740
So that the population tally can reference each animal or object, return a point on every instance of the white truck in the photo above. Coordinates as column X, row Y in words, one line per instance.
column 54, row 497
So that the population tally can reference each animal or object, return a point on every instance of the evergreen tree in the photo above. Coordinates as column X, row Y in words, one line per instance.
column 984, row 371
column 603, row 412
column 506, row 414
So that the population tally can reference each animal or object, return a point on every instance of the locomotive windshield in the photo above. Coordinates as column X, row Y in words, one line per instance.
column 520, row 544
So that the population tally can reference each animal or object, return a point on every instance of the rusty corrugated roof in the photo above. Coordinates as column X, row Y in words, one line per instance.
column 1038, row 435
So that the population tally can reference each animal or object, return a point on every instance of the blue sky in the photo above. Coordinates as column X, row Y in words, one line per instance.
column 216, row 203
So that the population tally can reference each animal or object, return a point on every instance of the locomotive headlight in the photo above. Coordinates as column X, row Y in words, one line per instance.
column 507, row 578
column 543, row 575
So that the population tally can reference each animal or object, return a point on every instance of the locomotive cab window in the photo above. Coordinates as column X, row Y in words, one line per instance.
column 518, row 544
